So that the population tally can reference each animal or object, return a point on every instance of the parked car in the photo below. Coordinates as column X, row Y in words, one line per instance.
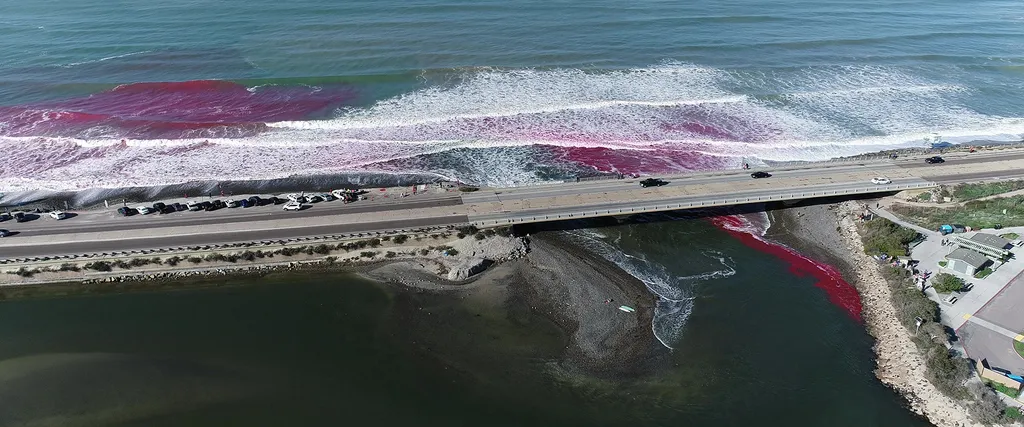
column 327, row 197
column 214, row 205
column 760, row 174
column 880, row 180
column 126, row 211
column 314, row 199
column 4, row 216
column 4, row 233
column 145, row 210
column 296, row 197
column 206, row 206
column 652, row 182
column 194, row 206
column 293, row 206
column 58, row 215
column 934, row 160
column 951, row 299
column 159, row 207
column 255, row 201
column 244, row 203
column 20, row 217
column 231, row 203
column 276, row 200
column 179, row 207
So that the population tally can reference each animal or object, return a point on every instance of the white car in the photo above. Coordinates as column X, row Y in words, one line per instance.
column 293, row 206
column 880, row 180
column 231, row 203
column 193, row 206
column 145, row 210
column 58, row 215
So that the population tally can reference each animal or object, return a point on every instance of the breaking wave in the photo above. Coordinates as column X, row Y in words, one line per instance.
column 675, row 293
column 489, row 126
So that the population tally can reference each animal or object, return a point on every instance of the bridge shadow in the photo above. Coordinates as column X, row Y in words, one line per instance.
column 685, row 214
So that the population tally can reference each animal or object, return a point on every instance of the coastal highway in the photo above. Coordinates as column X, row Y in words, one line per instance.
column 104, row 231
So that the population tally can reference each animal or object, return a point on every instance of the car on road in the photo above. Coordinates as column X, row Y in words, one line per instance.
column 760, row 174
column 4, row 233
column 935, row 160
column 293, row 206
column 231, row 203
column 145, row 210
column 652, row 182
column 58, row 215
column 878, row 180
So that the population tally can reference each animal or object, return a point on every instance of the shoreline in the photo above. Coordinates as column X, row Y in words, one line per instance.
column 828, row 232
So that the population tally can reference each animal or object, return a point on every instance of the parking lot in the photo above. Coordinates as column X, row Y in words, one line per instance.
column 985, row 342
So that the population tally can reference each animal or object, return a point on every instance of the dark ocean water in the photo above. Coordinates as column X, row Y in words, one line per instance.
column 756, row 345
column 488, row 91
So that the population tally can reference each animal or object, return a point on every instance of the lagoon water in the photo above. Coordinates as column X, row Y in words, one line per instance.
column 759, row 346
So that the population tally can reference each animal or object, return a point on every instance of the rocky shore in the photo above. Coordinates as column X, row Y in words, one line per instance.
column 829, row 232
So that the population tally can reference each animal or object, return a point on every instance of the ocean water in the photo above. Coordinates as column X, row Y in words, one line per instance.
column 114, row 94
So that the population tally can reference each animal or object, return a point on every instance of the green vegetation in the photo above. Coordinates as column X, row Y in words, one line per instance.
column 1019, row 347
column 977, row 214
column 925, row 197
column 1004, row 389
column 965, row 192
column 882, row 236
column 1010, row 236
column 943, row 264
column 945, row 283
column 983, row 273
column 1012, row 414
column 401, row 238
column 367, row 254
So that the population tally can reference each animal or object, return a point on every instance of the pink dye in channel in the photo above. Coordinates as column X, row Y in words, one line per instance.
column 827, row 277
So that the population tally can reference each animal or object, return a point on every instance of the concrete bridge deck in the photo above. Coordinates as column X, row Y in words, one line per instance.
column 103, row 231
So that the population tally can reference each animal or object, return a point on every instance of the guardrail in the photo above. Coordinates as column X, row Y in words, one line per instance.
column 696, row 205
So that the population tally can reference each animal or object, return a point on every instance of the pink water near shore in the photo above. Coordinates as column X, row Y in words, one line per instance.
column 827, row 278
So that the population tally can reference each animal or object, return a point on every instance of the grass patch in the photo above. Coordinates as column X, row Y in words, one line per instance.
column 945, row 283
column 977, row 214
column 1004, row 389
column 1013, row 414
column 882, row 236
column 943, row 264
column 1010, row 236
column 983, row 273
column 965, row 192
column 925, row 197
column 1019, row 347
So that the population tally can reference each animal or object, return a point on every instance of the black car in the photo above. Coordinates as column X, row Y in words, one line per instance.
column 205, row 206
column 652, row 182
column 126, row 211
column 760, row 174
column 934, row 159
column 159, row 206
column 20, row 217
column 4, row 233
column 255, row 201
column 178, row 207
column 276, row 200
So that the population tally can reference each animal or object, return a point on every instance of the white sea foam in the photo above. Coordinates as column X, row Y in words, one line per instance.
column 106, row 58
column 496, row 117
column 675, row 293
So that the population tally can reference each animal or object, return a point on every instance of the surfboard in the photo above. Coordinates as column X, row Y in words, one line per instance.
column 627, row 309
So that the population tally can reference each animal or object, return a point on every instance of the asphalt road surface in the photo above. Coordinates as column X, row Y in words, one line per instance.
column 1003, row 310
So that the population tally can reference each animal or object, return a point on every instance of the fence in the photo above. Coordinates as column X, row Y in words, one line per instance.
column 693, row 205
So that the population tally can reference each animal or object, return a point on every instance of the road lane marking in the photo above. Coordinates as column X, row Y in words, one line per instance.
column 1019, row 337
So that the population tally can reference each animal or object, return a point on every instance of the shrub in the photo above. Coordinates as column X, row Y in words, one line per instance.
column 215, row 257
column 367, row 254
column 172, row 261
column 467, row 229
column 374, row 242
column 925, row 197
column 390, row 254
column 943, row 264
column 987, row 408
column 322, row 249
column 946, row 371
column 24, row 272
column 121, row 264
column 983, row 273
column 424, row 252
column 195, row 260
column 401, row 238
column 946, row 283
column 479, row 236
column 451, row 251
column 385, row 238
column 99, row 266
column 69, row 267
column 881, row 236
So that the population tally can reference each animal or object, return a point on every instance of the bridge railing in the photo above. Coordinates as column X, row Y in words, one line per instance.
column 523, row 219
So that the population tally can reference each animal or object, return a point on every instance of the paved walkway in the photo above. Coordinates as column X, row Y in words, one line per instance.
column 994, row 327
column 891, row 217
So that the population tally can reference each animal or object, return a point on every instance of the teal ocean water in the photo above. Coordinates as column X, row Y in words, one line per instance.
column 495, row 92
